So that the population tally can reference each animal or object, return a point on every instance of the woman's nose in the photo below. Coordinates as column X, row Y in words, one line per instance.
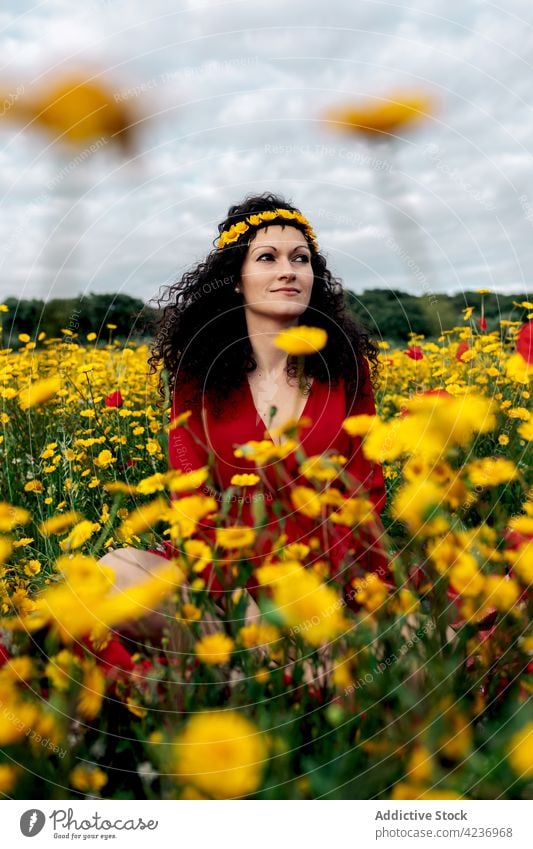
column 285, row 269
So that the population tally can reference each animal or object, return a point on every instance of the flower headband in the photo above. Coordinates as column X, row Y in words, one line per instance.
column 236, row 230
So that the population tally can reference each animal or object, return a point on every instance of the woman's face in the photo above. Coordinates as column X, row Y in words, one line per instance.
column 276, row 276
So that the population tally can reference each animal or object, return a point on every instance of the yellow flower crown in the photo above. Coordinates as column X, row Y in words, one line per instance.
column 236, row 230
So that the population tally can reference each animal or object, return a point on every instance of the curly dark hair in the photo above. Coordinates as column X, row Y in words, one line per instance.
column 201, row 336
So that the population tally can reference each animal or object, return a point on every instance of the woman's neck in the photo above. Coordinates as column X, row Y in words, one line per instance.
column 261, row 332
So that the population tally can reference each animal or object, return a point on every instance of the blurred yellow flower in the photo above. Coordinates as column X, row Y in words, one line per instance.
column 235, row 537
column 245, row 480
column 88, row 779
column 59, row 524
column 491, row 471
column 79, row 535
column 520, row 751
column 92, row 691
column 306, row 501
column 501, row 592
column 39, row 392
column 11, row 517
column 221, row 753
column 308, row 607
column 301, row 340
column 214, row 649
column 384, row 115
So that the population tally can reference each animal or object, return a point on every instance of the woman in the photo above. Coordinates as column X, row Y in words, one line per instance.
column 216, row 342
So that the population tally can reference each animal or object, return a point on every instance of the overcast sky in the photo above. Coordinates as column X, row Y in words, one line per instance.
column 230, row 96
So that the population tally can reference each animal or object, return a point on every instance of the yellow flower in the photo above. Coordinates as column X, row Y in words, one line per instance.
column 91, row 337
column 88, row 779
column 370, row 591
column 92, row 691
column 33, row 486
column 235, row 537
column 221, row 753
column 144, row 518
column 180, row 420
column 32, row 568
column 518, row 369
column 301, row 340
column 87, row 599
column 308, row 607
column 406, row 791
column 526, row 431
column 181, row 482
column 199, row 553
column 520, row 751
column 79, row 535
column 501, row 592
column 358, row 425
column 185, row 513
column 11, row 516
column 415, row 502
column 104, row 459
column 245, row 480
column 4, row 308
column 189, row 613
column 8, row 773
column 354, row 512
column 306, row 501
column 258, row 634
column 265, row 451
column 6, row 547
column 59, row 524
column 522, row 524
column 214, row 649
column 491, row 472
column 420, row 766
column 523, row 563
column 37, row 393
column 318, row 467
column 467, row 313
column 519, row 413
column 386, row 115
column 465, row 576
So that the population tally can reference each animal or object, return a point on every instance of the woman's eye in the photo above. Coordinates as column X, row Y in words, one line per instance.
column 299, row 256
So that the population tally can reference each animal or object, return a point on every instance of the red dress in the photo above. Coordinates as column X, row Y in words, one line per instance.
column 348, row 552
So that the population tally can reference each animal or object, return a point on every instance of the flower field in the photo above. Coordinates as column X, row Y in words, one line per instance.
column 415, row 684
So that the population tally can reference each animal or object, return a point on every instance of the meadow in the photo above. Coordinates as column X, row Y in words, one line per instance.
column 416, row 684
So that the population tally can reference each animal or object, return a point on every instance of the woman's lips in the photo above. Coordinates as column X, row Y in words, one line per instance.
column 288, row 291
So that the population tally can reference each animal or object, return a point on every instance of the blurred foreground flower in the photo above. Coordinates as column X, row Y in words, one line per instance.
column 301, row 340
column 221, row 754
column 76, row 109
column 382, row 116
column 39, row 392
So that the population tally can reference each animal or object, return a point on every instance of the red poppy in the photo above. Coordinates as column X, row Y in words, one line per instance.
column 524, row 342
column 482, row 323
column 415, row 353
column 462, row 348
column 115, row 657
column 114, row 399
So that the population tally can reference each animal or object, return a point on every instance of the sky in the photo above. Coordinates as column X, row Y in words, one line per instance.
column 229, row 97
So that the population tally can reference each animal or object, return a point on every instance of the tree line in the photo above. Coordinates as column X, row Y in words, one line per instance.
column 388, row 314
